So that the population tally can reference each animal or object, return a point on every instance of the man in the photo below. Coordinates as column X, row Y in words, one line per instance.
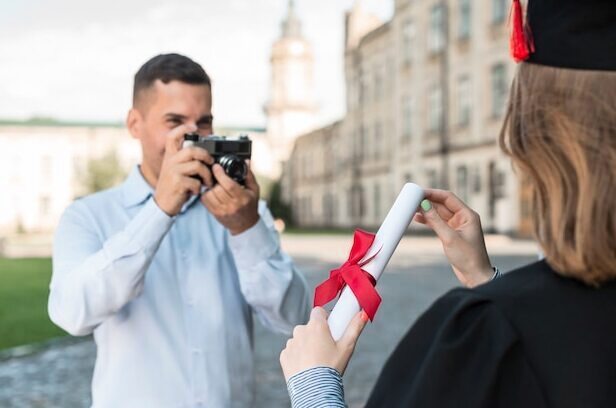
column 167, row 272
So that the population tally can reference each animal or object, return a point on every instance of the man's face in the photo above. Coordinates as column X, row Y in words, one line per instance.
column 163, row 107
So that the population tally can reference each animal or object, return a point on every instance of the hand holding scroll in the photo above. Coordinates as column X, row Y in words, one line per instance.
column 312, row 345
column 459, row 229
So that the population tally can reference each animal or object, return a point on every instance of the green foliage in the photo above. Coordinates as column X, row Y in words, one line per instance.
column 24, row 289
column 277, row 206
column 103, row 173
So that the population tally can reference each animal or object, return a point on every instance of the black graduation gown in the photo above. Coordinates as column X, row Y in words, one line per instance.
column 529, row 339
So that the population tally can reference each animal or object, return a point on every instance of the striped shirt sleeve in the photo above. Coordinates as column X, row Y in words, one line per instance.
column 317, row 387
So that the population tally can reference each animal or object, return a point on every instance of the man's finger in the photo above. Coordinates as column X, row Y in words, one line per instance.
column 227, row 183
column 175, row 138
column 221, row 195
column 251, row 182
column 211, row 202
column 434, row 221
column 353, row 330
column 205, row 174
column 194, row 153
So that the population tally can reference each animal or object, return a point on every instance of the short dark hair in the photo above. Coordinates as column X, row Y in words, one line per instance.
column 167, row 68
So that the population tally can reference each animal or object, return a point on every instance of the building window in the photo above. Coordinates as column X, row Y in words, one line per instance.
column 499, row 11
column 408, row 39
column 432, row 179
column 462, row 182
column 464, row 29
column 44, row 206
column 437, row 29
column 362, row 142
column 378, row 84
column 378, row 139
column 407, row 118
column 476, row 179
column 377, row 201
column 436, row 108
column 363, row 89
column 464, row 100
column 499, row 89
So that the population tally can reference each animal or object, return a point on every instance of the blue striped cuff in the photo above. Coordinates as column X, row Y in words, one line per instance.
column 317, row 387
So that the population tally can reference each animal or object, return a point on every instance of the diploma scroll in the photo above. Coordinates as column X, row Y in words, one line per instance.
column 385, row 242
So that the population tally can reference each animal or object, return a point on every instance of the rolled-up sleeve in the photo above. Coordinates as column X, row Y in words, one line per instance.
column 317, row 387
column 270, row 282
column 92, row 278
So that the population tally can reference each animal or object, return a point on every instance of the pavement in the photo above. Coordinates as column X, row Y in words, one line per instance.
column 60, row 375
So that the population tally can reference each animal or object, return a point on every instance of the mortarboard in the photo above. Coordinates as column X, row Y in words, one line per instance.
column 577, row 34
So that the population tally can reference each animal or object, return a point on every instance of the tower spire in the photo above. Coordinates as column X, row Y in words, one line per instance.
column 291, row 26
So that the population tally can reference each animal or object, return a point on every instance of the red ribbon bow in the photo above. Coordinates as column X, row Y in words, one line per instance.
column 351, row 274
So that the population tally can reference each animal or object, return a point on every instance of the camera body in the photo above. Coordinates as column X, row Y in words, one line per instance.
column 230, row 153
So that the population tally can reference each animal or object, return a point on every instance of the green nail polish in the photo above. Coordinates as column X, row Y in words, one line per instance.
column 426, row 205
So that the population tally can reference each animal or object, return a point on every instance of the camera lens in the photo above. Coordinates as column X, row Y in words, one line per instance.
column 234, row 167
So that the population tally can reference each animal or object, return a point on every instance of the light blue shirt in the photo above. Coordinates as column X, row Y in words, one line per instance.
column 169, row 300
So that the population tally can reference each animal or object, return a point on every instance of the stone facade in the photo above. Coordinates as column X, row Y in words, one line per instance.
column 426, row 93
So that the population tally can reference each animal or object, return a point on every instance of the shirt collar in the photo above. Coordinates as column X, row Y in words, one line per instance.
column 136, row 191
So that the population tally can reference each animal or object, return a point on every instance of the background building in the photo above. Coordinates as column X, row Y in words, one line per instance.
column 426, row 93
column 45, row 165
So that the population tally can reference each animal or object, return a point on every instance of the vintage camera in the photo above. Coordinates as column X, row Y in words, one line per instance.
column 229, row 153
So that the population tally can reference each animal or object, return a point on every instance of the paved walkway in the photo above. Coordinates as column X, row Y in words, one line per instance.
column 418, row 274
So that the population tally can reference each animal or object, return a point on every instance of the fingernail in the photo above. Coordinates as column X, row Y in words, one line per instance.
column 426, row 205
column 364, row 316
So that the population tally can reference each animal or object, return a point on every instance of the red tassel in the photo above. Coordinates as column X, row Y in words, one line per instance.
column 519, row 43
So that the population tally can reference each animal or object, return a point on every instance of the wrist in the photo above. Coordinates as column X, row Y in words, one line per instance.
column 245, row 227
column 164, row 207
column 481, row 275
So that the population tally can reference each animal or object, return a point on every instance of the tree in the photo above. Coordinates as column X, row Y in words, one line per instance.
column 103, row 172
column 277, row 206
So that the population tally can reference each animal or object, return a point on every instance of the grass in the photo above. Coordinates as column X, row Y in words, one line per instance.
column 24, row 288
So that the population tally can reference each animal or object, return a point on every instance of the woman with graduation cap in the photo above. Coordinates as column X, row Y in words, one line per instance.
column 543, row 335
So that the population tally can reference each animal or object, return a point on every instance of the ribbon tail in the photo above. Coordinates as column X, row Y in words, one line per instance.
column 363, row 289
column 326, row 291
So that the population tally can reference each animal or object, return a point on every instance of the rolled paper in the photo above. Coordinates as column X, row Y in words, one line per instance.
column 385, row 242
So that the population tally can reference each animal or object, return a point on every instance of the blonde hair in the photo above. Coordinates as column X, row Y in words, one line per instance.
column 560, row 132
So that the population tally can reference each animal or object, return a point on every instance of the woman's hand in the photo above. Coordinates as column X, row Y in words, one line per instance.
column 459, row 229
column 312, row 345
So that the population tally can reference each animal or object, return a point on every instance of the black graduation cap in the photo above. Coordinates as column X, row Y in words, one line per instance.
column 578, row 34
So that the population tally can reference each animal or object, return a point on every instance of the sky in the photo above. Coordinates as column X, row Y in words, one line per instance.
column 75, row 60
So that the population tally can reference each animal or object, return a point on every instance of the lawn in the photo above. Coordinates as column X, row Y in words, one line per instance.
column 24, row 287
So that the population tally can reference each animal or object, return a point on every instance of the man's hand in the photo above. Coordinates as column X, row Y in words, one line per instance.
column 175, row 184
column 234, row 206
